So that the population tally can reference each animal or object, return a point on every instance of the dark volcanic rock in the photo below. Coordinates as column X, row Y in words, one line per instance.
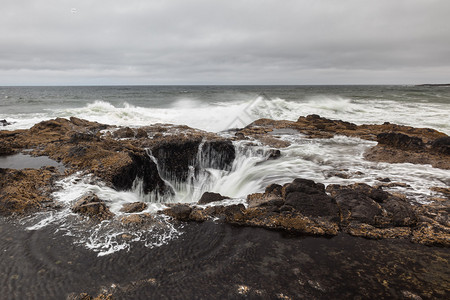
column 441, row 145
column 400, row 140
column 175, row 156
column 303, row 186
column 92, row 207
column 133, row 207
column 6, row 149
column 314, row 205
column 309, row 198
column 274, row 154
column 4, row 122
column 302, row 206
column 219, row 154
column 400, row 213
column 144, row 168
column 274, row 189
column 365, row 204
column 179, row 212
column 355, row 206
column 209, row 197
column 265, row 210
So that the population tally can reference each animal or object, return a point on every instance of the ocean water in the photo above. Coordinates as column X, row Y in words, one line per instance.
column 212, row 260
column 217, row 108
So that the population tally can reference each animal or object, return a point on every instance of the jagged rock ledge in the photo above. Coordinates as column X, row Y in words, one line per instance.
column 306, row 207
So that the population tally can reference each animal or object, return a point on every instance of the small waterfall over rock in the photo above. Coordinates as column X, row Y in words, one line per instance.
column 217, row 166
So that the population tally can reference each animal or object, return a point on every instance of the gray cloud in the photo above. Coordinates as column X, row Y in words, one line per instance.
column 224, row 42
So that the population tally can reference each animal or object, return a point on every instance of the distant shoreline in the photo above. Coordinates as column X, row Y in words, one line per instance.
column 434, row 84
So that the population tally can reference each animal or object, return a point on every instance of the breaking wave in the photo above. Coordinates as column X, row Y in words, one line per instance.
column 219, row 116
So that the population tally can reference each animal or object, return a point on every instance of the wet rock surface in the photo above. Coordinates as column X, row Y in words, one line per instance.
column 138, row 221
column 255, row 264
column 303, row 206
column 4, row 123
column 208, row 197
column 133, row 207
column 93, row 207
column 441, row 145
column 23, row 191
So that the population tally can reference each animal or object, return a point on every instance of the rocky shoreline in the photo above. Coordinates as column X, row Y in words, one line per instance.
column 119, row 155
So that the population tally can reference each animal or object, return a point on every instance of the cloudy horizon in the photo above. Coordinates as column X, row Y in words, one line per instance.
column 224, row 42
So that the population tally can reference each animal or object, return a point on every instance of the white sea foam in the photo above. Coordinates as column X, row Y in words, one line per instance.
column 217, row 116
column 108, row 236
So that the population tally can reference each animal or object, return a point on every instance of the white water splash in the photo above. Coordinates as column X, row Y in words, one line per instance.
column 218, row 116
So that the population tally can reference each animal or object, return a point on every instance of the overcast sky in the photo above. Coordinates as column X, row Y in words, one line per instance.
column 87, row 42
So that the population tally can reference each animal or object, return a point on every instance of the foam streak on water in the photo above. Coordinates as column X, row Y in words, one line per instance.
column 108, row 236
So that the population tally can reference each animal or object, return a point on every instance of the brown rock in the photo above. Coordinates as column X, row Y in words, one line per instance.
column 179, row 212
column 441, row 145
column 442, row 190
column 26, row 190
column 393, row 155
column 368, row 231
column 125, row 132
column 6, row 149
column 271, row 196
column 141, row 133
column 133, row 207
column 92, row 207
column 287, row 221
column 138, row 220
column 209, row 197
column 400, row 140
column 431, row 234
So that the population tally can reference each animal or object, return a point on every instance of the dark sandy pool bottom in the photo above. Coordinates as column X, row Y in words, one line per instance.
column 21, row 161
column 219, row 261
